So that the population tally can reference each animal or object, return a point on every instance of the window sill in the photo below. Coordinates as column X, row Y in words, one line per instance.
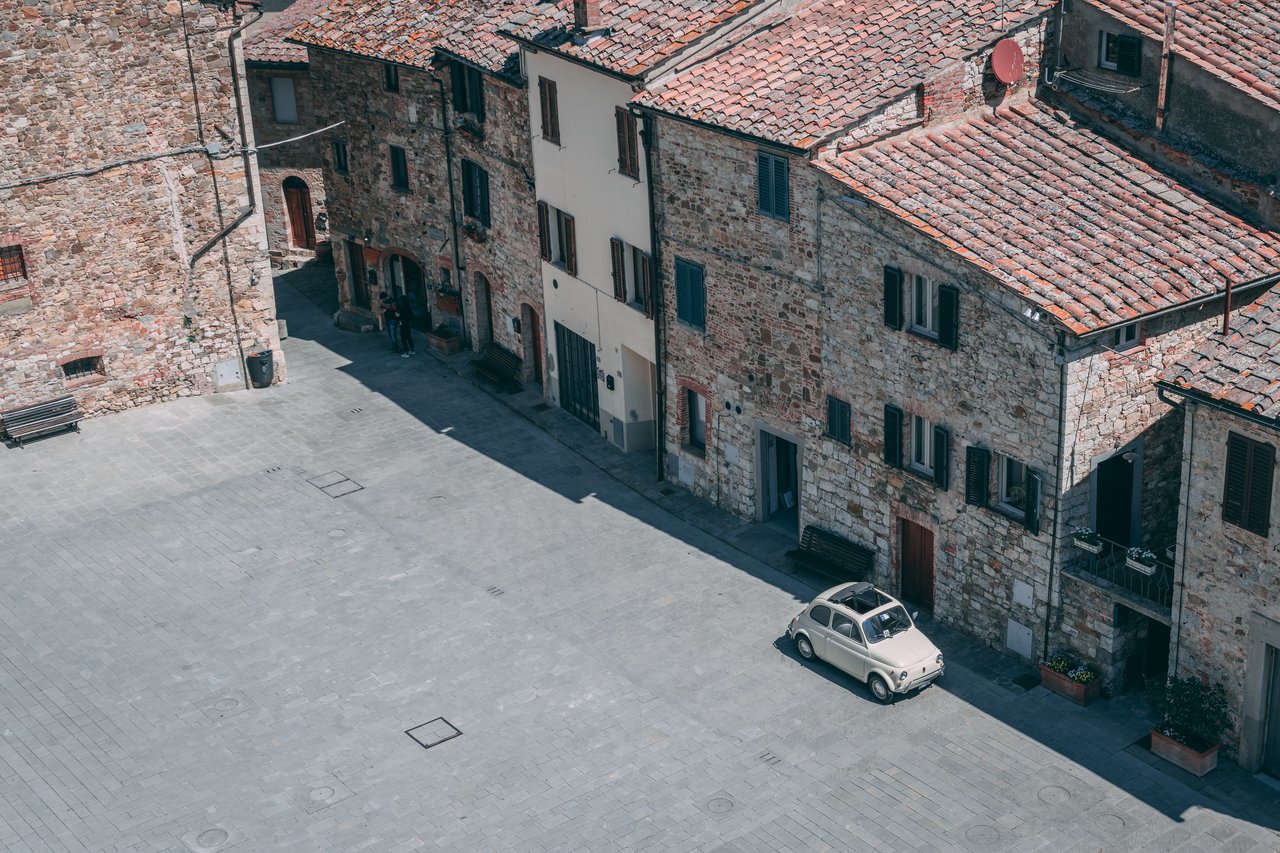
column 1008, row 512
column 84, row 381
column 694, row 450
column 923, row 333
column 402, row 191
column 839, row 441
column 702, row 330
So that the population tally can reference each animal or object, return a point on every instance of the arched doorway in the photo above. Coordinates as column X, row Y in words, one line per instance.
column 297, row 201
column 531, row 341
column 484, row 310
column 404, row 277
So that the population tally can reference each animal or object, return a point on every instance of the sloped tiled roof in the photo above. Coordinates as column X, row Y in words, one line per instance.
column 808, row 72
column 638, row 33
column 408, row 32
column 265, row 40
column 1069, row 220
column 1244, row 368
column 1236, row 40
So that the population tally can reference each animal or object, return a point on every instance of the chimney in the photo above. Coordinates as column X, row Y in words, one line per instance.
column 586, row 14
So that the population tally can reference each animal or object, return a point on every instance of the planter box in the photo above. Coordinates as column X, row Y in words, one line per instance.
column 1091, row 547
column 1190, row 760
column 447, row 344
column 1140, row 568
column 1081, row 694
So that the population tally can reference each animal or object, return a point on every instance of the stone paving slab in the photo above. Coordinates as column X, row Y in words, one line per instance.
column 200, row 646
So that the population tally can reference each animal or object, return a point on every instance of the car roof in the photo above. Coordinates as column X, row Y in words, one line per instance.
column 862, row 597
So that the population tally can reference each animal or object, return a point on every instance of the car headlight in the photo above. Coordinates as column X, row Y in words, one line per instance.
column 938, row 659
column 902, row 676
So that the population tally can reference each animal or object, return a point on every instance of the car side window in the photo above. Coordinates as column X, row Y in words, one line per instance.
column 842, row 624
column 820, row 614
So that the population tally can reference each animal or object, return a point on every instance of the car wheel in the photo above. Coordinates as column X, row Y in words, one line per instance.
column 880, row 689
column 804, row 647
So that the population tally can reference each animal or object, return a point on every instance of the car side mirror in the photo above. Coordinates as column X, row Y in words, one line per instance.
column 915, row 614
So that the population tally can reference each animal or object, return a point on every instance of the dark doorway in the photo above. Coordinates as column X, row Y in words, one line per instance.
column 779, row 482
column 1271, row 721
column 1143, row 644
column 484, row 310
column 531, row 339
column 915, row 556
column 1114, row 499
column 297, row 201
column 576, row 362
column 357, row 275
column 405, row 278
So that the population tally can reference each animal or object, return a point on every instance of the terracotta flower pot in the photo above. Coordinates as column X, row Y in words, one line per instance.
column 447, row 344
column 1191, row 760
column 1081, row 694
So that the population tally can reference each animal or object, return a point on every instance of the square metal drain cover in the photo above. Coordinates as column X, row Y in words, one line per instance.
column 335, row 484
column 433, row 733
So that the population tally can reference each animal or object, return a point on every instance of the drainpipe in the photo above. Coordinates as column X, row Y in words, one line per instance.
column 655, row 284
column 453, row 209
column 1166, row 57
column 1182, row 546
column 1061, row 358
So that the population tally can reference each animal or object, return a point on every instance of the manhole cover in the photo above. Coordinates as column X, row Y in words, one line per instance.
column 320, row 794
column 1109, row 822
column 433, row 733
column 226, row 705
column 337, row 533
column 719, row 805
column 982, row 834
column 212, row 838
column 1054, row 795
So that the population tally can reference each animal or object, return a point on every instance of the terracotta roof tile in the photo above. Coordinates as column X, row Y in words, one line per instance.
column 808, row 71
column 1235, row 40
column 265, row 40
column 409, row 32
column 638, row 34
column 1066, row 218
column 1244, row 368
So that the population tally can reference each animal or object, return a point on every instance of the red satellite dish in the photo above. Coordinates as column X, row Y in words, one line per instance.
column 1006, row 61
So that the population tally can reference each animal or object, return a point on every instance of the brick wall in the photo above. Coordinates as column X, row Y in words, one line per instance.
column 108, row 254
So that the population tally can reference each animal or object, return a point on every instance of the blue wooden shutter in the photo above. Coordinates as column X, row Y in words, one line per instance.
column 698, row 292
column 764, row 182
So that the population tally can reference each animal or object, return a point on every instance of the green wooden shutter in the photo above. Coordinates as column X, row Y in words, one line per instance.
column 781, row 198
column 893, row 436
column 483, row 187
column 949, row 317
column 1261, row 472
column 1129, row 55
column 476, row 91
column 764, row 183
column 977, row 476
column 457, row 79
column 698, row 293
column 1031, row 510
column 942, row 457
column 1236, row 478
column 893, row 297
column 682, row 291
column 616, row 255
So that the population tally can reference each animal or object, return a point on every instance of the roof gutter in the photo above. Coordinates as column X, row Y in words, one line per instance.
column 1163, row 389
column 534, row 47
column 715, row 128
column 1265, row 281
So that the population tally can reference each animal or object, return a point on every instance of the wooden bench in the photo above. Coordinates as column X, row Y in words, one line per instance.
column 834, row 556
column 41, row 418
column 500, row 365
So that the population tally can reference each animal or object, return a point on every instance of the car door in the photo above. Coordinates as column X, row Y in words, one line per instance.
column 816, row 624
column 845, row 648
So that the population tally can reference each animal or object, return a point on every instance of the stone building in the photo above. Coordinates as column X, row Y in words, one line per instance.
column 429, row 181
column 133, row 263
column 1227, row 610
column 919, row 306
column 282, row 104
column 583, row 64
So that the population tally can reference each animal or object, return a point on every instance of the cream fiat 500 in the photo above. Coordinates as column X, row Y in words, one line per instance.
column 869, row 634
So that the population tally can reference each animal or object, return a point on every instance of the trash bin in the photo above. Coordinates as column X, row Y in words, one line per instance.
column 260, row 368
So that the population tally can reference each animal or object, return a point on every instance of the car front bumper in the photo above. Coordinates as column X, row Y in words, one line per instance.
column 917, row 679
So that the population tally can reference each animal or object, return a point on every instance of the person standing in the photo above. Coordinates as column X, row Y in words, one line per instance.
column 389, row 320
column 404, row 317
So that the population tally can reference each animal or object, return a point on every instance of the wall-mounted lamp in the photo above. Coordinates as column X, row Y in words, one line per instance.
column 1129, row 456
column 608, row 382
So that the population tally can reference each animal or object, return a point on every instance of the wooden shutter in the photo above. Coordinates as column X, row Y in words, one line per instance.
column 482, row 185
column 458, row 80
column 977, row 476
column 646, row 285
column 1261, row 472
column 1031, row 510
column 570, row 243
column 1129, row 55
column 942, row 457
column 781, row 200
column 893, row 297
column 628, row 150
column 1237, row 475
column 893, row 436
column 764, row 182
column 1250, row 473
column 949, row 317
column 475, row 91
column 698, row 295
column 838, row 420
column 682, row 291
column 544, row 230
column 550, row 110
column 617, row 255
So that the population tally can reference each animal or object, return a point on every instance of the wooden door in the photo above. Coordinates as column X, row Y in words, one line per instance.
column 915, row 558
column 576, row 364
column 1271, row 724
column 297, row 200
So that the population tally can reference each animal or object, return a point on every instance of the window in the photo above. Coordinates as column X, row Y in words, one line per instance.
column 550, row 109
column 933, row 311
column 12, row 263
column 628, row 143
column 1246, row 499
column 468, row 90
column 390, row 77
column 924, row 306
column 83, row 368
column 922, row 444
column 691, row 294
column 1122, row 54
column 557, row 237
column 821, row 614
column 631, row 281
column 771, row 185
column 696, row 405
column 838, row 420
column 399, row 169
column 339, row 150
column 475, row 192
column 1011, row 494
column 842, row 624
column 284, row 104
column 1127, row 336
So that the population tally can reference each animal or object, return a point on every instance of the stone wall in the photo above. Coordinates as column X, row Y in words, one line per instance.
column 364, row 208
column 111, row 257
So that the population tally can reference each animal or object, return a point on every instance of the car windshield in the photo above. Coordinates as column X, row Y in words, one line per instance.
column 886, row 623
